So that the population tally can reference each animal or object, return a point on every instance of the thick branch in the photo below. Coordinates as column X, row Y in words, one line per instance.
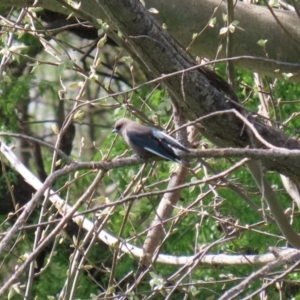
column 198, row 92
column 184, row 18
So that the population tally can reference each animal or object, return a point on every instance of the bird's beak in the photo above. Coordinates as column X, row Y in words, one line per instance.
column 115, row 130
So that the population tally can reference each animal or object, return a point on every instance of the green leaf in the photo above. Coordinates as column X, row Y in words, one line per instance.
column 231, row 28
column 235, row 22
column 212, row 22
column 223, row 30
column 102, row 41
column 262, row 43
column 153, row 10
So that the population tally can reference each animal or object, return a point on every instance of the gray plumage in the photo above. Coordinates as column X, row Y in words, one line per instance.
column 146, row 141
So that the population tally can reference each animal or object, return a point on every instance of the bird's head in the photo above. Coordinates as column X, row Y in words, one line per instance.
column 120, row 124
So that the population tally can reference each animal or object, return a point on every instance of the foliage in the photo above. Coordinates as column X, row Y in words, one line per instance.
column 69, row 76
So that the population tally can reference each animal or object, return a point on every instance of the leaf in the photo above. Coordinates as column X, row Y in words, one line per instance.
column 212, row 22
column 153, row 10
column 55, row 129
column 127, row 59
column 231, row 28
column 194, row 36
column 73, row 84
column 287, row 75
column 86, row 267
column 58, row 163
column 223, row 30
column 235, row 23
column 102, row 41
column 78, row 116
column 4, row 37
column 157, row 282
column 262, row 42
column 75, row 4
column 194, row 291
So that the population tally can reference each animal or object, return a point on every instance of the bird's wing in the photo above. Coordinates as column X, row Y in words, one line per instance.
column 168, row 139
column 154, row 145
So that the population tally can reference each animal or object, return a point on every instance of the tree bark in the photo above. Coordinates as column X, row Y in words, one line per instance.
column 198, row 92
column 184, row 18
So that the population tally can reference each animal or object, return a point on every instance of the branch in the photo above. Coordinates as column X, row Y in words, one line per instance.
column 282, row 260
column 269, row 195
column 191, row 16
column 204, row 92
column 169, row 200
column 71, row 212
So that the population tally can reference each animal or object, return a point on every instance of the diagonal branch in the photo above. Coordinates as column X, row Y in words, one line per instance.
column 210, row 259
column 204, row 92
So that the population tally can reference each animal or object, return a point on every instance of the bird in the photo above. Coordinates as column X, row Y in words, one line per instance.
column 146, row 141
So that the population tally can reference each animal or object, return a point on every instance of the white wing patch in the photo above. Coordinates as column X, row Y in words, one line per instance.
column 159, row 154
column 173, row 142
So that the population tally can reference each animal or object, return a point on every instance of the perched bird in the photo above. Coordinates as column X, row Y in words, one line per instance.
column 146, row 141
